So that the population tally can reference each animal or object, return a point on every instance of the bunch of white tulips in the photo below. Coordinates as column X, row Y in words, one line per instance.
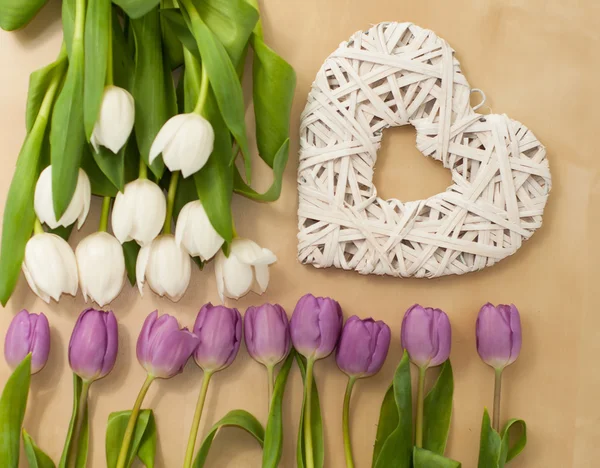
column 140, row 213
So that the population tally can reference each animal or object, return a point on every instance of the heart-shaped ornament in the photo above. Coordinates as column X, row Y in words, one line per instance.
column 396, row 74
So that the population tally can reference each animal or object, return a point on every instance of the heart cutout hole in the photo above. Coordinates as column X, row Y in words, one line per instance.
column 402, row 172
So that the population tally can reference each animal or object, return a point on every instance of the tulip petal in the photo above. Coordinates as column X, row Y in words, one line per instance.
column 123, row 215
column 249, row 252
column 83, row 182
column 30, row 281
column 219, row 263
column 115, row 122
column 149, row 211
column 141, row 265
column 262, row 277
column 166, row 134
column 238, row 277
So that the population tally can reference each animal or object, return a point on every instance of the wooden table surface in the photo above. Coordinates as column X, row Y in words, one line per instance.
column 537, row 61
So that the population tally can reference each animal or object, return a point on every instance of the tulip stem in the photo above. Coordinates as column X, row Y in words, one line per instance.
column 497, row 391
column 346, row 423
column 104, row 217
column 203, row 94
column 109, row 57
column 81, row 409
column 189, row 453
column 270, row 379
column 37, row 227
column 171, row 201
column 143, row 174
column 420, row 407
column 122, row 460
column 308, row 442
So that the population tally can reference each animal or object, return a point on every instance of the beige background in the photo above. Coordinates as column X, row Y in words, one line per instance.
column 537, row 61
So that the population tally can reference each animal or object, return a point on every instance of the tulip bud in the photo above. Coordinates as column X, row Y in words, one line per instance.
column 28, row 333
column 363, row 347
column 79, row 205
column 498, row 332
column 196, row 233
column 101, row 267
column 50, row 267
column 219, row 330
column 315, row 326
column 426, row 335
column 166, row 267
column 267, row 333
column 186, row 142
column 94, row 345
column 247, row 263
column 163, row 348
column 139, row 212
column 115, row 121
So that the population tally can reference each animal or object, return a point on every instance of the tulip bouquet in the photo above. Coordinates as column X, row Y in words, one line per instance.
column 143, row 105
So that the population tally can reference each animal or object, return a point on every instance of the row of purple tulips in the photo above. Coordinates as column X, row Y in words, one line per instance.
column 316, row 329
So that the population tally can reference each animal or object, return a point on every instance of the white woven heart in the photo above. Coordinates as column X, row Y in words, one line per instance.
column 396, row 74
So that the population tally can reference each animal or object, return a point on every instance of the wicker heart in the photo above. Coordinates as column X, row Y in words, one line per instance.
column 396, row 74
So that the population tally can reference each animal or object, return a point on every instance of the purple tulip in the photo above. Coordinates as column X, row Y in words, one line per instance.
column 363, row 347
column 94, row 344
column 219, row 330
column 267, row 333
column 426, row 335
column 498, row 332
column 28, row 333
column 163, row 348
column 315, row 326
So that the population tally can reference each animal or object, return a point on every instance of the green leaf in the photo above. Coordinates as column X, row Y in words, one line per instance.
column 136, row 8
column 519, row 445
column 131, row 250
column 39, row 82
column 84, row 434
column 388, row 422
column 236, row 418
column 35, row 456
column 232, row 22
column 274, row 431
column 98, row 25
column 123, row 59
column 174, row 21
column 186, row 192
column 224, row 81
column 19, row 214
column 438, row 411
column 147, row 451
column 67, row 136
column 15, row 14
column 12, row 412
column 68, row 20
column 144, row 436
column 317, row 423
column 272, row 194
column 153, row 88
column 489, row 444
column 101, row 186
column 172, row 45
column 426, row 459
column 396, row 451
column 64, row 232
column 274, row 83
column 112, row 165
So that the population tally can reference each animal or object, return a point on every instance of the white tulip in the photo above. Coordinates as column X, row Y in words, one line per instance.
column 50, row 267
column 166, row 266
column 139, row 212
column 246, row 263
column 186, row 142
column 115, row 121
column 101, row 266
column 78, row 208
column 196, row 233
